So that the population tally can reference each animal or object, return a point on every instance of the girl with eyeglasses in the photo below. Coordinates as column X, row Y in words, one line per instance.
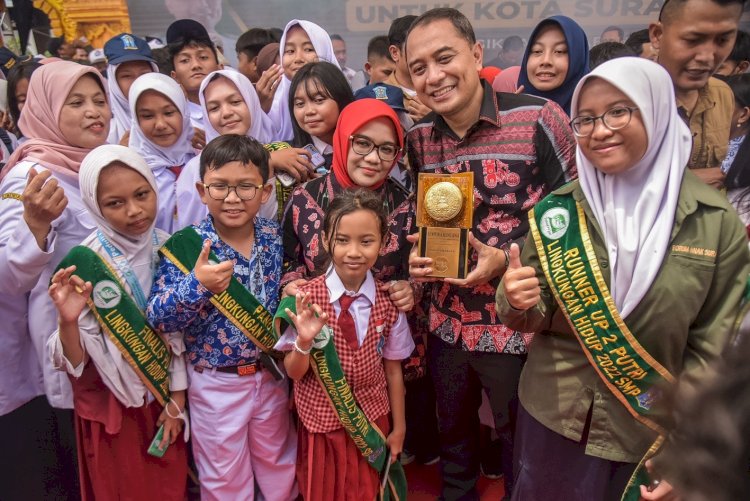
column 366, row 145
column 631, row 278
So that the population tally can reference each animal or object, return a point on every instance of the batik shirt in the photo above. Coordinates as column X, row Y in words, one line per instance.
column 180, row 302
column 519, row 150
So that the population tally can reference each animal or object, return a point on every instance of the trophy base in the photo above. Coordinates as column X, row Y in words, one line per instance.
column 448, row 248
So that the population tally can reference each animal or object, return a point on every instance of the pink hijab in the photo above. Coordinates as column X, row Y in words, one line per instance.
column 49, row 86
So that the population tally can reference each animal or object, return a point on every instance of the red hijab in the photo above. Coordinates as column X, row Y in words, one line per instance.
column 351, row 119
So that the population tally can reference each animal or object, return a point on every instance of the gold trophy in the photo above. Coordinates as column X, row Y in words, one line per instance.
column 445, row 208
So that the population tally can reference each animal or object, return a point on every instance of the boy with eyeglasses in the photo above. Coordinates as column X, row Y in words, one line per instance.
column 218, row 282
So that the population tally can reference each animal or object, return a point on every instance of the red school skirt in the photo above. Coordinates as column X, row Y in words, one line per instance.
column 329, row 466
column 115, row 466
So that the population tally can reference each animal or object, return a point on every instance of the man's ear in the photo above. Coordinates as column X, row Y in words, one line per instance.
column 394, row 52
column 478, row 52
column 655, row 32
column 742, row 67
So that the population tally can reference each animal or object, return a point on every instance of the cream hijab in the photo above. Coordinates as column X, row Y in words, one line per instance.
column 635, row 209
column 156, row 156
column 260, row 125
column 279, row 114
column 138, row 250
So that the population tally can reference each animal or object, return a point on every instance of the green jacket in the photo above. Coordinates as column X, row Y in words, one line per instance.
column 682, row 322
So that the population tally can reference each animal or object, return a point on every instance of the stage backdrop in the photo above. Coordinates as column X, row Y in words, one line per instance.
column 359, row 20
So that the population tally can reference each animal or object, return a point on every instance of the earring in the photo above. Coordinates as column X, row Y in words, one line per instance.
column 739, row 124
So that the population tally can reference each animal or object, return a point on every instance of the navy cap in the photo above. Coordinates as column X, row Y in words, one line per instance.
column 8, row 59
column 187, row 29
column 390, row 94
column 126, row 47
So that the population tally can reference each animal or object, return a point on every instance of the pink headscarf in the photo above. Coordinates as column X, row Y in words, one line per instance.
column 49, row 86
column 507, row 80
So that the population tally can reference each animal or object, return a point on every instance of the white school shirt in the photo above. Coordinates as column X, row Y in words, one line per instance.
column 399, row 344
column 25, row 268
column 190, row 207
column 196, row 115
column 116, row 373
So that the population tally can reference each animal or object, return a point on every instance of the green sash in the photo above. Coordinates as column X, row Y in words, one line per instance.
column 366, row 436
column 561, row 236
column 236, row 302
column 123, row 321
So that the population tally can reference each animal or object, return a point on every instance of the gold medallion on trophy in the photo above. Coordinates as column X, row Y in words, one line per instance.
column 444, row 217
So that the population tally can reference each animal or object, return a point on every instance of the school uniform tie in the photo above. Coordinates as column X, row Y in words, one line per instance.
column 175, row 169
column 346, row 321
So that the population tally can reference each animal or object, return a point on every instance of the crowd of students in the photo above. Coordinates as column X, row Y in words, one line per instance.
column 217, row 269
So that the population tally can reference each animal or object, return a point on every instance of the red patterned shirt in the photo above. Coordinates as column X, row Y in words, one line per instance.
column 519, row 150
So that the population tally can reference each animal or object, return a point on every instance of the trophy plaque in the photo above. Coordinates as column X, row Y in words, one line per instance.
column 445, row 209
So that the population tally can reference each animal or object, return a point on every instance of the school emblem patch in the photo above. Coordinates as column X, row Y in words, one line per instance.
column 555, row 222
column 381, row 93
column 106, row 294
column 128, row 42
column 323, row 337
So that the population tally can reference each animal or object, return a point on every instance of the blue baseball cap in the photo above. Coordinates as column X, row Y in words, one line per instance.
column 126, row 47
column 9, row 59
column 390, row 94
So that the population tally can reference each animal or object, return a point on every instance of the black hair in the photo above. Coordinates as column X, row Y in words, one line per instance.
column 163, row 60
column 741, row 50
column 347, row 202
column 319, row 77
column 608, row 50
column 512, row 42
column 636, row 40
column 378, row 47
column 338, row 37
column 276, row 33
column 177, row 47
column 670, row 8
column 619, row 31
column 459, row 21
column 19, row 72
column 738, row 175
column 234, row 148
column 253, row 40
column 54, row 44
column 399, row 29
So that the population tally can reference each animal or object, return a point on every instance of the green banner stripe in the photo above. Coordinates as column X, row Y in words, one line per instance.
column 561, row 236
column 236, row 303
column 366, row 436
column 123, row 321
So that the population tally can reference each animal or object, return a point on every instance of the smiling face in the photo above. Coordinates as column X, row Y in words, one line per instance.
column 192, row 64
column 128, row 72
column 126, row 199
column 315, row 111
column 444, row 69
column 232, row 213
column 611, row 152
column 694, row 39
column 298, row 51
column 547, row 64
column 369, row 170
column 159, row 118
column 227, row 110
column 85, row 115
column 354, row 247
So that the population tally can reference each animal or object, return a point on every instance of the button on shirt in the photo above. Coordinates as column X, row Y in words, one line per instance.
column 399, row 344
column 180, row 302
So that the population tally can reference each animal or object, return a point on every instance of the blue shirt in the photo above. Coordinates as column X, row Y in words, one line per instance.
column 179, row 302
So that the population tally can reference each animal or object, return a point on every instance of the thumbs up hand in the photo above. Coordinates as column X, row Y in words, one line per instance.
column 520, row 284
column 214, row 277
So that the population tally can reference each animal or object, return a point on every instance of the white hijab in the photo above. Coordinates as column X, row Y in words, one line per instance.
column 120, row 123
column 260, row 125
column 635, row 209
column 137, row 250
column 279, row 114
column 157, row 157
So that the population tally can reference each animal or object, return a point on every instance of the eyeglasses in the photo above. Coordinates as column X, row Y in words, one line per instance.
column 613, row 119
column 244, row 191
column 362, row 145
